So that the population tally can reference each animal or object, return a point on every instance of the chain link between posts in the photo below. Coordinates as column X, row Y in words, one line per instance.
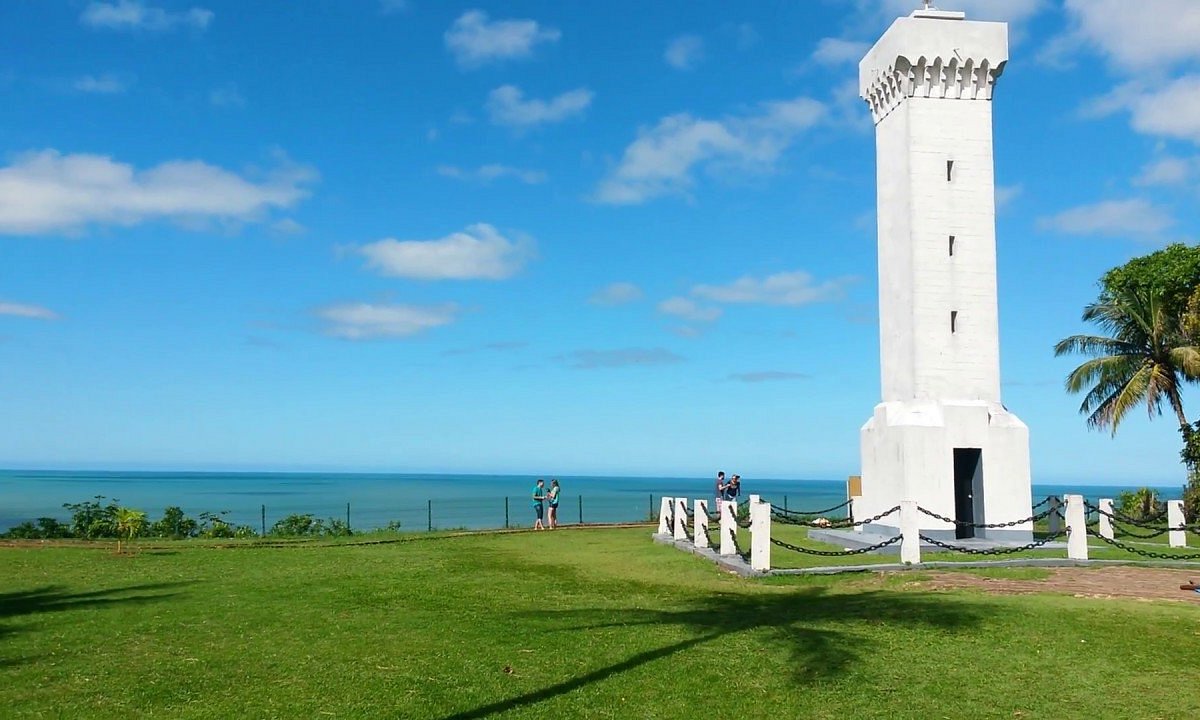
column 963, row 523
column 832, row 524
column 1145, row 524
column 993, row 551
column 837, row 553
column 1144, row 553
column 785, row 511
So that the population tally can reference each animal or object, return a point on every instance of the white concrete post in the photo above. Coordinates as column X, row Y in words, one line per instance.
column 680, row 517
column 760, row 534
column 1106, row 526
column 728, row 527
column 910, row 529
column 664, row 515
column 1077, row 542
column 852, row 511
column 1176, row 538
column 1053, row 520
column 700, row 523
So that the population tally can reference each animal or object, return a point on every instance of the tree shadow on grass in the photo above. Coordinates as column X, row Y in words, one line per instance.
column 55, row 598
column 825, row 633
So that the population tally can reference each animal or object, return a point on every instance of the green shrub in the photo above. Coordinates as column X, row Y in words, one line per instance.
column 1141, row 504
column 92, row 519
column 174, row 524
column 298, row 526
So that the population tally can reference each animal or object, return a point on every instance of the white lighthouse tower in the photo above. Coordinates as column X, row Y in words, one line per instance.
column 940, row 436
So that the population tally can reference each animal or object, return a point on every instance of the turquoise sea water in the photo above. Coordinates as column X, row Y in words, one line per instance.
column 418, row 502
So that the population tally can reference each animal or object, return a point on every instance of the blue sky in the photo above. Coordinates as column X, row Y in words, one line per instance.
column 621, row 237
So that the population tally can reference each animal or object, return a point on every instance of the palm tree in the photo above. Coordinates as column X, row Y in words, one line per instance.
column 129, row 523
column 1143, row 360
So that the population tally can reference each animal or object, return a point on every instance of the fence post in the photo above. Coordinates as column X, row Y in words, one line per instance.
column 264, row 522
column 1053, row 521
column 580, row 509
column 910, row 531
column 1106, row 526
column 347, row 517
column 651, row 505
column 785, row 503
column 727, row 508
column 506, row 525
column 664, row 515
column 1176, row 538
column 680, row 517
column 760, row 534
column 1077, row 543
column 429, row 511
column 700, row 523
column 852, row 511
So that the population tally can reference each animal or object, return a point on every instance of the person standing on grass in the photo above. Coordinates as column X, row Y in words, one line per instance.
column 539, row 504
column 734, row 488
column 721, row 486
column 552, row 499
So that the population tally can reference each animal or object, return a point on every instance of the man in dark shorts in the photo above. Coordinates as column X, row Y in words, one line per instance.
column 721, row 486
column 539, row 504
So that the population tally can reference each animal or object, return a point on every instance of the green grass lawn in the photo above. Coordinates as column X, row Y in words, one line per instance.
column 576, row 623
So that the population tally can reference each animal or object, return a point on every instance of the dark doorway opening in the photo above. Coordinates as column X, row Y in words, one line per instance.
column 968, row 475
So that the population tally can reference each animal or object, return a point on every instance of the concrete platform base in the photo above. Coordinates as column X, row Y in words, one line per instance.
column 730, row 563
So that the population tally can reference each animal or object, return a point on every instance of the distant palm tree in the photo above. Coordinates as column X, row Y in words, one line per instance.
column 129, row 523
column 1143, row 360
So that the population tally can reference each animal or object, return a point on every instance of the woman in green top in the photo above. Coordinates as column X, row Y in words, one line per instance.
column 539, row 509
column 552, row 497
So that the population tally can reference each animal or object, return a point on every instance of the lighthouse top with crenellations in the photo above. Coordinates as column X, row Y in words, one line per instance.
column 933, row 53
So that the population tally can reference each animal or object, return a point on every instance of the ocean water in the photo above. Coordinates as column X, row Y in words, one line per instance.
column 417, row 502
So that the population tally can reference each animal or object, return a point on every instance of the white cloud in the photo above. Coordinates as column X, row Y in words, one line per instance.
column 662, row 159
column 1170, row 109
column 592, row 359
column 135, row 15
column 1114, row 218
column 488, row 173
column 27, row 311
column 1132, row 35
column 689, row 309
column 618, row 293
column 288, row 226
column 684, row 52
column 787, row 288
column 507, row 106
column 47, row 191
column 1006, row 194
column 475, row 41
column 100, row 85
column 767, row 376
column 835, row 51
column 226, row 96
column 364, row 321
column 478, row 252
column 1166, row 171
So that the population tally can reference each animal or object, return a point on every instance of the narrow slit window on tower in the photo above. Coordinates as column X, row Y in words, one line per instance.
column 953, row 321
column 952, row 246
column 949, row 170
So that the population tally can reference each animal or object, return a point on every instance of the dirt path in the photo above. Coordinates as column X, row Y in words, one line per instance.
column 1103, row 582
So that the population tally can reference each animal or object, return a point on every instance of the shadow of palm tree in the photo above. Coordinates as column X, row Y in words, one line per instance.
column 818, row 629
column 55, row 598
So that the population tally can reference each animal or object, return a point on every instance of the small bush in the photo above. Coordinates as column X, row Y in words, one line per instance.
column 298, row 526
column 1141, row 504
column 174, row 524
column 92, row 519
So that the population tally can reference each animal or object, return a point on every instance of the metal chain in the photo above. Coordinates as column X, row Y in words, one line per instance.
column 1042, row 502
column 992, row 551
column 1145, row 524
column 833, row 524
column 963, row 523
column 836, row 553
column 785, row 511
column 1144, row 553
